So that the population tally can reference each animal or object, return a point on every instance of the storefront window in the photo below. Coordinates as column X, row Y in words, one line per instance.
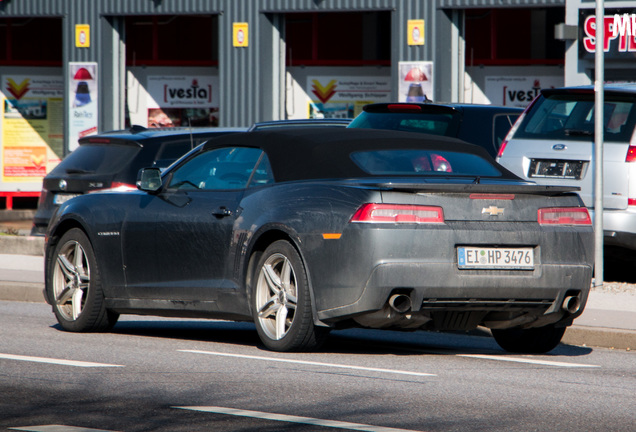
column 172, row 40
column 21, row 41
column 513, row 36
column 317, row 38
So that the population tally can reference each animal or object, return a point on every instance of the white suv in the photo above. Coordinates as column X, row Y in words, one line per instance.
column 553, row 143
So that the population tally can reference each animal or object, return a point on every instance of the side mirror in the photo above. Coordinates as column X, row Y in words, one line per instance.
column 149, row 179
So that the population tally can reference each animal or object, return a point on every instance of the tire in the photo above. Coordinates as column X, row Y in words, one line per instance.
column 529, row 341
column 74, row 286
column 281, row 303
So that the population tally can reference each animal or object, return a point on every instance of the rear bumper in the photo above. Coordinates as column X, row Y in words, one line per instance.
column 619, row 228
column 443, row 287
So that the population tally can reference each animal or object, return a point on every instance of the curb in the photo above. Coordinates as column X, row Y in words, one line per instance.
column 599, row 337
column 16, row 215
column 31, row 292
column 22, row 245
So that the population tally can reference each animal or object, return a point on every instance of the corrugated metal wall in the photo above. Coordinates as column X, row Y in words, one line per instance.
column 248, row 85
column 250, row 77
column 467, row 4
column 246, row 93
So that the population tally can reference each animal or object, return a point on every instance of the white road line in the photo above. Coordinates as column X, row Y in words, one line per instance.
column 293, row 419
column 56, row 361
column 57, row 428
column 333, row 365
column 527, row 360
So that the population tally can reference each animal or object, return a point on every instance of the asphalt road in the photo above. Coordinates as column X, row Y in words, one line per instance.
column 153, row 374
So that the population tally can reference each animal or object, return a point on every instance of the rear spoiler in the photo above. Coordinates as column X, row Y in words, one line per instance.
column 479, row 188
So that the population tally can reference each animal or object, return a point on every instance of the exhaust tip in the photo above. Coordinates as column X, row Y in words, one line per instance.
column 400, row 303
column 571, row 304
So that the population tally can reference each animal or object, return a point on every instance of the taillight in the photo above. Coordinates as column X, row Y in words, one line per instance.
column 564, row 216
column 117, row 187
column 398, row 213
column 42, row 199
column 403, row 107
column 514, row 128
column 440, row 163
column 631, row 154
column 504, row 143
column 491, row 196
column 122, row 186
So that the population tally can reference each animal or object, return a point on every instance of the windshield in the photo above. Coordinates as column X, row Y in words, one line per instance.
column 97, row 159
column 570, row 117
column 445, row 124
column 423, row 162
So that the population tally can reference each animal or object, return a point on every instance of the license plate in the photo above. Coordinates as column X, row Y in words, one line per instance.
column 564, row 169
column 474, row 257
column 62, row 198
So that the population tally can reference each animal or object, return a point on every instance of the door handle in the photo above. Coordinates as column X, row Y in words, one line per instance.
column 222, row 212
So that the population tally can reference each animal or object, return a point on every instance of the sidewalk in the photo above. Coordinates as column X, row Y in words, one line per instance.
column 609, row 319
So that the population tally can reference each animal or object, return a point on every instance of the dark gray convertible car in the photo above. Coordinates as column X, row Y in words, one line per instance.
column 306, row 230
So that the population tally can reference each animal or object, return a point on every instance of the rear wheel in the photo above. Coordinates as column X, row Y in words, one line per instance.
column 529, row 341
column 74, row 286
column 281, row 301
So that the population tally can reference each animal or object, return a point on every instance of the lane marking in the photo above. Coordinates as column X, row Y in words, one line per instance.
column 530, row 361
column 57, row 428
column 293, row 419
column 312, row 363
column 55, row 361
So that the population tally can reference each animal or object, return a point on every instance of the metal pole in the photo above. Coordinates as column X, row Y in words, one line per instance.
column 598, row 142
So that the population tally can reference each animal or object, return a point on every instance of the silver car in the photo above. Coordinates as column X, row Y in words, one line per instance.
column 553, row 143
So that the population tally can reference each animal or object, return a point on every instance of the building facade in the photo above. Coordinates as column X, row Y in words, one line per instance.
column 70, row 68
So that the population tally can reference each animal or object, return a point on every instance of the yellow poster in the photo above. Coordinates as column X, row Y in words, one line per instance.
column 415, row 29
column 32, row 127
column 82, row 35
column 240, row 34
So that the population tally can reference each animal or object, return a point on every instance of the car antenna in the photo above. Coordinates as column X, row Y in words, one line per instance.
column 191, row 138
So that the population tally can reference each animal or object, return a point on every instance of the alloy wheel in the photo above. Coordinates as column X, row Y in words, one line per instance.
column 71, row 278
column 276, row 296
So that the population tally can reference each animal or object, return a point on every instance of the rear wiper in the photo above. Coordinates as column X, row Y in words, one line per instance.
column 78, row 171
column 578, row 132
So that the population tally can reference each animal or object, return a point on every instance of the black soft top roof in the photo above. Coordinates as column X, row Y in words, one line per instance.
column 315, row 153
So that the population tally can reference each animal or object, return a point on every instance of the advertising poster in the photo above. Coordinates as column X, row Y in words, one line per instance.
column 32, row 127
column 518, row 91
column 183, row 101
column 416, row 81
column 83, row 97
column 344, row 97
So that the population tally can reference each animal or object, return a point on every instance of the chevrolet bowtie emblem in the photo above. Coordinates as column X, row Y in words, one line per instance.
column 492, row 211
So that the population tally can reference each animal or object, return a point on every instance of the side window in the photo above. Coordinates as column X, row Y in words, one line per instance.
column 501, row 125
column 171, row 151
column 218, row 169
column 263, row 174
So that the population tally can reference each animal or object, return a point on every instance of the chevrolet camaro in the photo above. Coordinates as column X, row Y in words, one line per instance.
column 304, row 230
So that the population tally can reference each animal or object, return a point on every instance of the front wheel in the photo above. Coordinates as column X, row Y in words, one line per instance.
column 281, row 302
column 74, row 288
column 529, row 341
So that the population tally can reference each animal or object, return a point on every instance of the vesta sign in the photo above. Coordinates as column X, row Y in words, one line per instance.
column 193, row 94
column 619, row 33
column 182, row 91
